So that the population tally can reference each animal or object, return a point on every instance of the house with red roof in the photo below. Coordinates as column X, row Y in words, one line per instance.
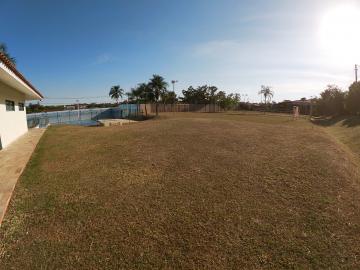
column 14, row 91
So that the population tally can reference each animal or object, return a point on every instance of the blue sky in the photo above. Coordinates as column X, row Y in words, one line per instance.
column 81, row 48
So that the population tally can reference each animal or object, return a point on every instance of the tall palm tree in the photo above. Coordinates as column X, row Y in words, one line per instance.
column 267, row 93
column 4, row 51
column 158, row 86
column 116, row 92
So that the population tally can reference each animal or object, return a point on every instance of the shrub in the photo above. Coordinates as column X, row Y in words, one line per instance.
column 352, row 102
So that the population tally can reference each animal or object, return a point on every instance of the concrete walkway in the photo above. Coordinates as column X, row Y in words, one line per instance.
column 13, row 160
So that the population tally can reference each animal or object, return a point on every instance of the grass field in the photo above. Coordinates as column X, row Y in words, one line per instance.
column 187, row 191
column 345, row 129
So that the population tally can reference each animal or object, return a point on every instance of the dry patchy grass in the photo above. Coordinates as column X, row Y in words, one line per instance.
column 186, row 191
column 344, row 129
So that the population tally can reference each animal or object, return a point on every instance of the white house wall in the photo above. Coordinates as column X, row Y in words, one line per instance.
column 12, row 123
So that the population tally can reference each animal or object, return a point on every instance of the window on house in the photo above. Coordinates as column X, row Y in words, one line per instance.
column 10, row 105
column 21, row 106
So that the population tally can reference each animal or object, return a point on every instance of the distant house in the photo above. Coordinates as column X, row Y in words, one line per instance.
column 286, row 106
column 14, row 91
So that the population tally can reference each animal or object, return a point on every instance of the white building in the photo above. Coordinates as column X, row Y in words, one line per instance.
column 14, row 91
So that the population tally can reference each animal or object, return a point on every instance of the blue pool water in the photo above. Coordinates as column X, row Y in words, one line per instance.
column 84, row 117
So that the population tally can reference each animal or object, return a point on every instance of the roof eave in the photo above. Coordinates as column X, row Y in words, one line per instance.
column 9, row 67
column 10, row 79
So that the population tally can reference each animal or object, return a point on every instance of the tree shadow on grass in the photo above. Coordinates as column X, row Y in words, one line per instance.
column 352, row 121
column 346, row 121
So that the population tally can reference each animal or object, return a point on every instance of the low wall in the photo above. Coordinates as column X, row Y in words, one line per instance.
column 179, row 107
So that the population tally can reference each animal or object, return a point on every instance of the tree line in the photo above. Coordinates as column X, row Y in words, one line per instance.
column 156, row 91
column 206, row 94
column 333, row 101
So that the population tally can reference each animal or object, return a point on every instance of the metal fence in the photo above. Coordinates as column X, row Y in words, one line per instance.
column 85, row 117
column 129, row 110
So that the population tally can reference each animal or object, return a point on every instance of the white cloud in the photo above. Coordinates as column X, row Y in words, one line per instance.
column 103, row 58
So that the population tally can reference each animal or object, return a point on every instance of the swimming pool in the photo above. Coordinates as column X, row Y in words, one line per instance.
column 84, row 117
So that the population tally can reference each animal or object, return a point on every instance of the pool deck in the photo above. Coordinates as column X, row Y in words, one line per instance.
column 116, row 122
column 13, row 160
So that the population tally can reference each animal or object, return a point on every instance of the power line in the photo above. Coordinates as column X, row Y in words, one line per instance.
column 76, row 97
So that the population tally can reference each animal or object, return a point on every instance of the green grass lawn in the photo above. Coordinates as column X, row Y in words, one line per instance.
column 186, row 191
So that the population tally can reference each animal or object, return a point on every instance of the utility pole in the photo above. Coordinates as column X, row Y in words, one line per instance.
column 173, row 83
column 356, row 73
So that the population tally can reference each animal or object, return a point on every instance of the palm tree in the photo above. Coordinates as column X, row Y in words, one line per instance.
column 267, row 93
column 144, row 92
column 4, row 51
column 158, row 86
column 116, row 92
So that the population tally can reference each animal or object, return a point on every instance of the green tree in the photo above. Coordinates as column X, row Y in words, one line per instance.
column 116, row 92
column 195, row 95
column 201, row 95
column 331, row 101
column 352, row 101
column 158, row 86
column 211, row 94
column 4, row 51
column 229, row 101
column 169, row 97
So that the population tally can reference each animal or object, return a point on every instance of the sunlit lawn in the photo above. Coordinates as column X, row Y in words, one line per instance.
column 186, row 191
